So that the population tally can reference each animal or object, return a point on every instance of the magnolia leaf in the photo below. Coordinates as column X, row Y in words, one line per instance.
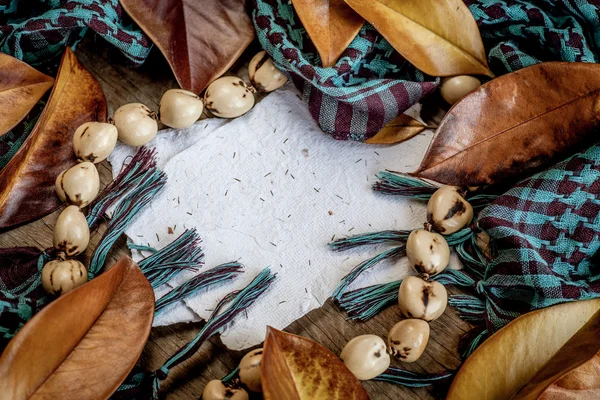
column 441, row 38
column 330, row 24
column 515, row 124
column 296, row 368
column 573, row 372
column 199, row 39
column 20, row 88
column 27, row 181
column 511, row 357
column 82, row 345
column 398, row 130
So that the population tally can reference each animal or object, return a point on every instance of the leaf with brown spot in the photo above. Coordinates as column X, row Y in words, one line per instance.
column 511, row 357
column 82, row 345
column 516, row 124
column 398, row 130
column 330, row 24
column 199, row 39
column 573, row 372
column 296, row 368
column 441, row 38
column 27, row 181
column 21, row 87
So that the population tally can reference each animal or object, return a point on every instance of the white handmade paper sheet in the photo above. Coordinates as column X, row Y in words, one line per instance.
column 270, row 189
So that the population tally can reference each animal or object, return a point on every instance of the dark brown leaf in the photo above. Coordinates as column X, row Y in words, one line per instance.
column 296, row 368
column 82, row 345
column 199, row 39
column 441, row 38
column 27, row 181
column 398, row 130
column 330, row 24
column 573, row 372
column 20, row 88
column 515, row 124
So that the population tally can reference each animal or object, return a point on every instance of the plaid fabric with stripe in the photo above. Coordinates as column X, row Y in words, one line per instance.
column 547, row 231
column 371, row 84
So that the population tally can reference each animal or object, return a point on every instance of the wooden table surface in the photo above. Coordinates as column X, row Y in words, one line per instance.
column 326, row 325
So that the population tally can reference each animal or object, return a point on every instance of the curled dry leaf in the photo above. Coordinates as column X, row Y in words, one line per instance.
column 296, row 368
column 82, row 345
column 515, row 124
column 20, row 88
column 525, row 345
column 573, row 372
column 27, row 181
column 330, row 24
column 398, row 130
column 199, row 39
column 441, row 38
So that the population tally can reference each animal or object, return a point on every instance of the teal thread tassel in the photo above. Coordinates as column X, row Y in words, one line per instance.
column 152, row 182
column 141, row 247
column 469, row 308
column 365, row 265
column 364, row 303
column 395, row 183
column 130, row 177
column 184, row 253
column 219, row 274
column 230, row 376
column 238, row 302
column 413, row 379
column 368, row 239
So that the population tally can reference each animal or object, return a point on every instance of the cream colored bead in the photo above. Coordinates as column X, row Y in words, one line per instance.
column 61, row 276
column 427, row 252
column 250, row 370
column 456, row 87
column 94, row 141
column 71, row 231
column 448, row 211
column 422, row 299
column 264, row 75
column 135, row 123
column 216, row 390
column 180, row 108
column 407, row 339
column 366, row 356
column 79, row 185
column 229, row 97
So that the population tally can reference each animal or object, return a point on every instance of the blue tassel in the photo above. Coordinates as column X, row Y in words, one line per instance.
column 141, row 247
column 147, row 187
column 395, row 183
column 364, row 303
column 238, row 302
column 230, row 376
column 130, row 177
column 369, row 238
column 469, row 308
column 221, row 273
column 184, row 253
column 365, row 265
column 413, row 379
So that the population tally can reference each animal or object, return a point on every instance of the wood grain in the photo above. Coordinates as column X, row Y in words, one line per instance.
column 326, row 325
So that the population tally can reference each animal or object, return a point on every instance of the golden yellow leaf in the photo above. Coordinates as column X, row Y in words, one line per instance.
column 439, row 37
column 398, row 130
column 509, row 359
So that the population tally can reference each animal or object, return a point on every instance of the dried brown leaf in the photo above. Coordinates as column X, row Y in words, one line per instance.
column 515, row 124
column 330, row 24
column 82, row 345
column 27, row 181
column 441, row 38
column 573, row 372
column 199, row 39
column 509, row 359
column 21, row 87
column 296, row 368
column 398, row 130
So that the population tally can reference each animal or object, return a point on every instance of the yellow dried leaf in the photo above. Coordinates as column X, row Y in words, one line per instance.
column 398, row 130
